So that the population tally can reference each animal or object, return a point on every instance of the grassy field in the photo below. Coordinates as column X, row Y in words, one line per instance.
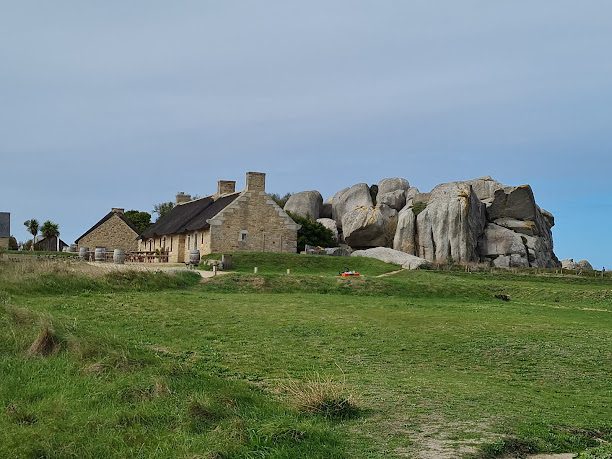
column 413, row 364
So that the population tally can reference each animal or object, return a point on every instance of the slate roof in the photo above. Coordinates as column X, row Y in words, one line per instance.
column 104, row 220
column 5, row 224
column 190, row 216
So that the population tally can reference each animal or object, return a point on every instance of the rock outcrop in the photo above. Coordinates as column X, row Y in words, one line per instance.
column 350, row 199
column 445, row 225
column 583, row 265
column 369, row 226
column 305, row 204
column 479, row 220
column 396, row 257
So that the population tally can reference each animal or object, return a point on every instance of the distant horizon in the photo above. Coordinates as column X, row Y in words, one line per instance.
column 122, row 104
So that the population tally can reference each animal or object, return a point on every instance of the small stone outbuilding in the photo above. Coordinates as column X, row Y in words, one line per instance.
column 114, row 231
column 50, row 244
column 5, row 229
column 225, row 222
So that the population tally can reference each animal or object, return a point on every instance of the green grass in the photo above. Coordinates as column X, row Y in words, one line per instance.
column 431, row 361
column 271, row 263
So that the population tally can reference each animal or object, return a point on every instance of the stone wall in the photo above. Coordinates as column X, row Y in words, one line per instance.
column 112, row 234
column 253, row 223
column 4, row 242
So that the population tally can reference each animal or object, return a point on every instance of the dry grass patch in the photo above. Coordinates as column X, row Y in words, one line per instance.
column 46, row 343
column 321, row 396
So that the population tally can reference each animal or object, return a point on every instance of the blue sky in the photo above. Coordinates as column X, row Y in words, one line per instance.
column 122, row 104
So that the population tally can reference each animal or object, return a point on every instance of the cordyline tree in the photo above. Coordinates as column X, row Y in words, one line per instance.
column 32, row 227
column 49, row 229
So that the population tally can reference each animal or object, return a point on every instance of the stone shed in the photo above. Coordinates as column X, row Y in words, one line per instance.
column 114, row 231
column 5, row 229
column 225, row 222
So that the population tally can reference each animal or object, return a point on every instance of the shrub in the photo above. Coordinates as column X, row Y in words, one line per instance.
column 418, row 207
column 312, row 233
column 13, row 244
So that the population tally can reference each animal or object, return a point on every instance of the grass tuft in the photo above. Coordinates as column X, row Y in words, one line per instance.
column 324, row 397
column 46, row 343
column 19, row 416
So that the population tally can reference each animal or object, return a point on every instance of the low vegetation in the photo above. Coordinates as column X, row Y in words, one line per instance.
column 413, row 364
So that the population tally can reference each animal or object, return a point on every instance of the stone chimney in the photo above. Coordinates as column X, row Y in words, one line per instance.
column 255, row 181
column 118, row 210
column 225, row 187
column 182, row 198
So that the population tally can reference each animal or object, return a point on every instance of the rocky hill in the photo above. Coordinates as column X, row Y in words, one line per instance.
column 478, row 220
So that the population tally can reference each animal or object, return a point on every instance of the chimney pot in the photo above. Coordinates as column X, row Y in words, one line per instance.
column 118, row 210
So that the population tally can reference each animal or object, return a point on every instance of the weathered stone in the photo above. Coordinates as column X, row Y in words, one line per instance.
column 451, row 224
column 396, row 257
column 485, row 187
column 326, row 210
column 585, row 265
column 513, row 202
column 500, row 241
column 569, row 263
column 520, row 226
column 330, row 224
column 394, row 199
column 342, row 251
column 350, row 199
column 369, row 226
column 548, row 217
column 305, row 204
column 390, row 185
column 404, row 239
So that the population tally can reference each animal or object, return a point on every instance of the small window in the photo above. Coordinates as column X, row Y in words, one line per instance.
column 243, row 236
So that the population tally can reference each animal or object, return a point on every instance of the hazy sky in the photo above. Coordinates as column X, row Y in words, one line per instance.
column 124, row 103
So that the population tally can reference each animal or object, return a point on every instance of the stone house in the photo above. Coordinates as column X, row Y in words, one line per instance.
column 225, row 222
column 114, row 231
column 50, row 244
column 5, row 229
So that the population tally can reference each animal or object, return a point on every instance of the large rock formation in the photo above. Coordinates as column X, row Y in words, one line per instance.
column 446, row 225
column 479, row 220
column 350, row 199
column 369, row 226
column 396, row 257
column 305, row 204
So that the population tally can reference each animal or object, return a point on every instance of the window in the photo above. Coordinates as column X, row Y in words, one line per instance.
column 171, row 239
column 163, row 243
column 243, row 236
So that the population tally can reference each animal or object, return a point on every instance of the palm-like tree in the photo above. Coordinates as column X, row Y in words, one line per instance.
column 32, row 227
column 49, row 229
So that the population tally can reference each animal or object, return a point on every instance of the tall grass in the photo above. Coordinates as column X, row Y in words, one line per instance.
column 67, row 276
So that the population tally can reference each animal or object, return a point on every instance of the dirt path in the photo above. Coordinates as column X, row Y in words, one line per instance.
column 392, row 273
